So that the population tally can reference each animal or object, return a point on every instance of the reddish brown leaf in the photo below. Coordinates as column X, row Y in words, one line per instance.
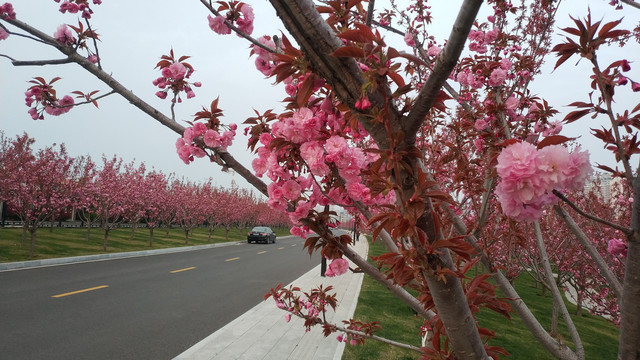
column 349, row 51
column 553, row 140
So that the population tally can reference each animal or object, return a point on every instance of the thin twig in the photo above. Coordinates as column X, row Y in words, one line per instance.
column 625, row 230
column 40, row 62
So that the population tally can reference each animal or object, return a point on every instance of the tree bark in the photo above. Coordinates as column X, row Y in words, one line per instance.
column 557, row 297
column 106, row 238
column 32, row 243
column 629, row 343
column 557, row 349
column 151, row 236
column 606, row 272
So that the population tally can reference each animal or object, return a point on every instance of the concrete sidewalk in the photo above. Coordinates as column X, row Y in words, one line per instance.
column 263, row 333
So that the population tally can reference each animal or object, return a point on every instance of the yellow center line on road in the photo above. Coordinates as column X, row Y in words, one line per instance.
column 294, row 244
column 80, row 291
column 181, row 270
column 261, row 252
column 235, row 258
column 281, row 248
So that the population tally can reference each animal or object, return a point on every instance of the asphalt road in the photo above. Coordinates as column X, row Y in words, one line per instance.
column 151, row 307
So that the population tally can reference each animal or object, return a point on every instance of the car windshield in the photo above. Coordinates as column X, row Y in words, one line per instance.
column 260, row 229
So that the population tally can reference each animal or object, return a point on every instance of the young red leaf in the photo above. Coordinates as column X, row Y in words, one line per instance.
column 553, row 140
column 349, row 51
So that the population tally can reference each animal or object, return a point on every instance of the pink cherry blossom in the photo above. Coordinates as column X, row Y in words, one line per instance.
column 3, row 34
column 211, row 138
column 264, row 65
column 291, row 189
column 329, row 272
column 266, row 41
column 497, row 77
column 218, row 26
column 287, row 317
column 363, row 103
column 61, row 107
column 339, row 266
column 64, row 35
column 6, row 11
column 434, row 51
column 408, row 39
column 259, row 166
column 175, row 71
column 616, row 247
column 245, row 23
column 624, row 64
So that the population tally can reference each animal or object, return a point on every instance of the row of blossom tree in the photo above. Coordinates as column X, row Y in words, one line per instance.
column 43, row 185
column 440, row 147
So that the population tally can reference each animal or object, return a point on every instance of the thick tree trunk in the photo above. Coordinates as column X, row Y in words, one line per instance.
column 32, row 246
column 555, row 310
column 186, row 236
column 453, row 308
column 151, row 236
column 25, row 229
column 629, row 346
column 557, row 349
column 134, row 227
column 211, row 228
column 106, row 239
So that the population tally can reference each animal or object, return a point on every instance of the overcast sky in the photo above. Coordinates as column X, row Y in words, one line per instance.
column 135, row 35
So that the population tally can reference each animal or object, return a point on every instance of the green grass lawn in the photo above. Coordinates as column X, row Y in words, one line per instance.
column 600, row 337
column 64, row 242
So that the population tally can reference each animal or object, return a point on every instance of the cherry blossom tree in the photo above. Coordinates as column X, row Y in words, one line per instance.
column 189, row 209
column 154, row 198
column 440, row 146
column 36, row 186
column 136, row 204
column 110, row 196
column 84, row 198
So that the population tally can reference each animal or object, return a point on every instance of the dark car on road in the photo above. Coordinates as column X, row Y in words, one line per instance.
column 261, row 234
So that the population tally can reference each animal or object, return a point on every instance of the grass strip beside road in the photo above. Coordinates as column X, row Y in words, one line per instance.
column 400, row 323
column 67, row 242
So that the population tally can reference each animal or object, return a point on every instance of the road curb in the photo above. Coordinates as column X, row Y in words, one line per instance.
column 19, row 265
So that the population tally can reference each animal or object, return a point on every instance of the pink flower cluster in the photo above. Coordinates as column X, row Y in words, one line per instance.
column 7, row 12
column 479, row 40
column 408, row 39
column 242, row 18
column 337, row 267
column 188, row 149
column 498, row 75
column 3, row 34
column 46, row 102
column 74, row 7
column 174, row 78
column 529, row 175
column 64, row 35
column 264, row 60
column 617, row 247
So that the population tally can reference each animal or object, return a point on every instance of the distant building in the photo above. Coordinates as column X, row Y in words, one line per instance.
column 603, row 181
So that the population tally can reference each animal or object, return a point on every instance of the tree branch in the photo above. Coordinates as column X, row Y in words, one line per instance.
column 625, row 230
column 444, row 64
column 136, row 101
column 548, row 274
